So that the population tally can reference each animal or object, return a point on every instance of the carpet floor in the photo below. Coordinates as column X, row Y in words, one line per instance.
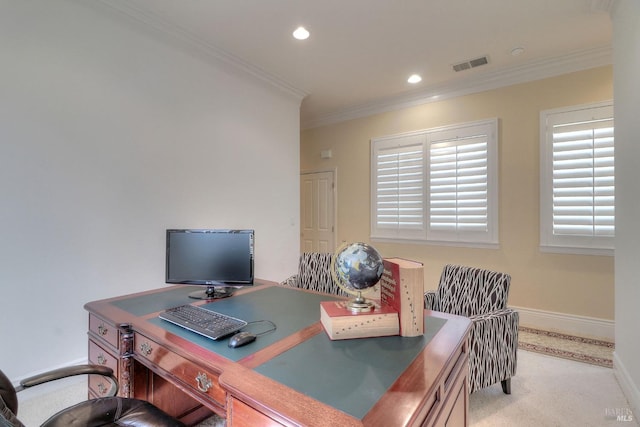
column 549, row 391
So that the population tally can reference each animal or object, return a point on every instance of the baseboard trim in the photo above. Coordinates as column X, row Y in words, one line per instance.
column 588, row 327
column 627, row 385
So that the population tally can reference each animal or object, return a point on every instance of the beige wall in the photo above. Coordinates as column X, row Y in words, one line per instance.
column 571, row 284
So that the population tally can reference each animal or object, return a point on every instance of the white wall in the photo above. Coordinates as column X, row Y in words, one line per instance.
column 108, row 136
column 626, row 66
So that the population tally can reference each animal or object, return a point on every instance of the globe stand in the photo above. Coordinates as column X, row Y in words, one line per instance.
column 367, row 263
column 360, row 305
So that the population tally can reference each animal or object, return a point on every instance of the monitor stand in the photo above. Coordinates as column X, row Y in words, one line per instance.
column 213, row 292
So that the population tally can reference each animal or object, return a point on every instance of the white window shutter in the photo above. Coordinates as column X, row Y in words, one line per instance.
column 436, row 186
column 462, row 184
column 583, row 179
column 398, row 187
column 458, row 185
column 578, row 179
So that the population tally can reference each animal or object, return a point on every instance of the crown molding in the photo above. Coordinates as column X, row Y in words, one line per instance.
column 535, row 70
column 190, row 42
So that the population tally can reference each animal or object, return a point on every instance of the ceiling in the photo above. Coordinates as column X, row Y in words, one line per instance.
column 361, row 52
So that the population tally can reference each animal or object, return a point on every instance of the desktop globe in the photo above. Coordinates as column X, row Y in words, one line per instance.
column 357, row 267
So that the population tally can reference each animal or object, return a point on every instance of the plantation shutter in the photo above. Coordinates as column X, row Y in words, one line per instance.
column 577, row 172
column 437, row 185
column 398, row 187
column 459, row 185
column 583, row 179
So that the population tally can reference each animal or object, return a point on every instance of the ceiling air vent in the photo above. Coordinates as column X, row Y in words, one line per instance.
column 472, row 63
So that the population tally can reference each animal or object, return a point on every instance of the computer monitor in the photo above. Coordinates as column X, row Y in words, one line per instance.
column 219, row 259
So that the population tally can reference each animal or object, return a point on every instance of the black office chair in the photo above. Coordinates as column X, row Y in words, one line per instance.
column 105, row 411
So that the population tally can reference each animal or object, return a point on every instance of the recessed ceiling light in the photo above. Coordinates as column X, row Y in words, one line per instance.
column 301, row 33
column 517, row 51
column 414, row 78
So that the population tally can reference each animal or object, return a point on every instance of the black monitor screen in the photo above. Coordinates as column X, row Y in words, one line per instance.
column 210, row 257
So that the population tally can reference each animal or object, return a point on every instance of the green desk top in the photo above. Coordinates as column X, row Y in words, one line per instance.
column 349, row 375
column 289, row 309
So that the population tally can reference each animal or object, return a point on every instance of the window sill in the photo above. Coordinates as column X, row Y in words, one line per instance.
column 436, row 243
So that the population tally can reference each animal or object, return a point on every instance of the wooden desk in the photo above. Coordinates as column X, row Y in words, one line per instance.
column 293, row 376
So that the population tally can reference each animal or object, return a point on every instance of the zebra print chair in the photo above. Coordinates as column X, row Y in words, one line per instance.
column 314, row 273
column 481, row 295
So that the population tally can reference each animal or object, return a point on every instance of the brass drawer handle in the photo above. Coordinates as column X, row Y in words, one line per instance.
column 204, row 383
column 146, row 348
column 102, row 330
column 102, row 388
column 101, row 359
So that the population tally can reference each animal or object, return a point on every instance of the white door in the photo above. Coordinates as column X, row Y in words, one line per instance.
column 317, row 212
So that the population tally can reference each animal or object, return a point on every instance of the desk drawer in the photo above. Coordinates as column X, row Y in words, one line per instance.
column 99, row 385
column 104, row 330
column 100, row 356
column 199, row 380
column 448, row 405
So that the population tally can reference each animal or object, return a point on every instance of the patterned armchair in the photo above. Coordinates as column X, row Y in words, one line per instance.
column 314, row 273
column 481, row 295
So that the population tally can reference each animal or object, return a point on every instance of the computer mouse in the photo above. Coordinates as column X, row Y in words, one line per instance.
column 240, row 339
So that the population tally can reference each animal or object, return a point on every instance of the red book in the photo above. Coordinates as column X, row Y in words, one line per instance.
column 340, row 322
column 402, row 289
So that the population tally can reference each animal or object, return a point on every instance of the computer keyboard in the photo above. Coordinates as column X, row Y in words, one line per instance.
column 202, row 321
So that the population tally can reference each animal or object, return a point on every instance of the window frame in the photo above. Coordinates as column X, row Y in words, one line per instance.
column 567, row 243
column 395, row 143
column 425, row 138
